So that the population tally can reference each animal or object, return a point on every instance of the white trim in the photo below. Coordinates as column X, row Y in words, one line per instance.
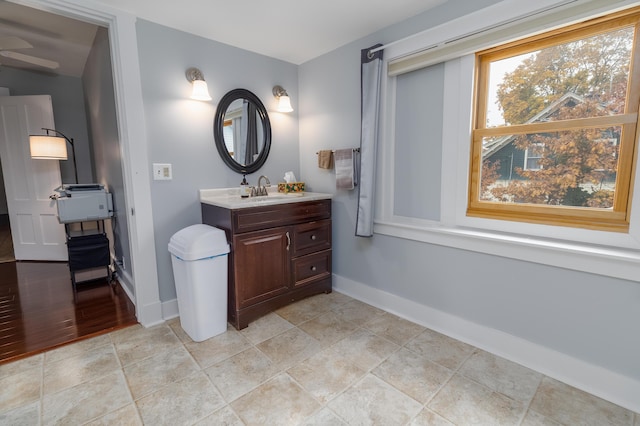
column 133, row 142
column 385, row 178
column 170, row 309
column 454, row 171
column 127, row 284
column 607, row 261
column 596, row 380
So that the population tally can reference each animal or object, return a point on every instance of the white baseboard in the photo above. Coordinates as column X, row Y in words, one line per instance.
column 126, row 282
column 606, row 384
column 148, row 315
column 170, row 309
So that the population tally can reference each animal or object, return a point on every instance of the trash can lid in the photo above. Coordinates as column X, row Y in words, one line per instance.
column 198, row 241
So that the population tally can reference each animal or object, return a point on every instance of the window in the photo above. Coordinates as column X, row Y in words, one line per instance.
column 532, row 156
column 555, row 126
column 228, row 132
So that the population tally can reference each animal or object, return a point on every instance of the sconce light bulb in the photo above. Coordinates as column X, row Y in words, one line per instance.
column 200, row 91
column 284, row 104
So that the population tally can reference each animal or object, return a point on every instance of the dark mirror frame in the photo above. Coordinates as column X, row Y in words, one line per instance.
column 218, row 135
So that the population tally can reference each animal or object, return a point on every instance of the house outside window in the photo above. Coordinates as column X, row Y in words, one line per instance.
column 555, row 126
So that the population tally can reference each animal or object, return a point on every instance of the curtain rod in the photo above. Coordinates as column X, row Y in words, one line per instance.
column 471, row 34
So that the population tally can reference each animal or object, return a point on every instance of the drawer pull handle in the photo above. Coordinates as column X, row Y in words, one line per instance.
column 313, row 268
column 288, row 241
column 313, row 237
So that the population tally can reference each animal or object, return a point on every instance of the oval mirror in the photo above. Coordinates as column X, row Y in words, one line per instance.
column 242, row 131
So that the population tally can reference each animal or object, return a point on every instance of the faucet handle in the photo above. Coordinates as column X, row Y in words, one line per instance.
column 253, row 191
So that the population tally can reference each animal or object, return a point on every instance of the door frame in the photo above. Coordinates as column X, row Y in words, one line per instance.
column 133, row 143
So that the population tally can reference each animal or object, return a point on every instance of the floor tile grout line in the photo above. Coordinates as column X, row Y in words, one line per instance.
column 528, row 405
column 134, row 401
column 328, row 348
column 227, row 401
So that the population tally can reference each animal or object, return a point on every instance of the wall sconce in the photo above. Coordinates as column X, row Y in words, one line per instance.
column 200, row 89
column 52, row 147
column 284, row 103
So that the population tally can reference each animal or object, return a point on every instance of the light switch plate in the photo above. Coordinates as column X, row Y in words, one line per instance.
column 162, row 171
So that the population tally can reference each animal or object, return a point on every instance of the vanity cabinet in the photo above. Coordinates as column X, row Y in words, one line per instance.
column 279, row 254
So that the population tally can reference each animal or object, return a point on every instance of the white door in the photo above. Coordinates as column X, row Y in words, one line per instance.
column 36, row 232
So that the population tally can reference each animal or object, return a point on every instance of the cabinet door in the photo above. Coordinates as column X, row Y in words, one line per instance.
column 261, row 265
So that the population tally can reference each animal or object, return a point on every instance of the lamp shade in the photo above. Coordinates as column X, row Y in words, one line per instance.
column 48, row 147
column 284, row 104
column 200, row 91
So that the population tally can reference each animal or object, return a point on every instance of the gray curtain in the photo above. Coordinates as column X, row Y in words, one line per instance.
column 371, row 70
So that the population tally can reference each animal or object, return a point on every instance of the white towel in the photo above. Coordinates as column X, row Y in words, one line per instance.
column 343, row 160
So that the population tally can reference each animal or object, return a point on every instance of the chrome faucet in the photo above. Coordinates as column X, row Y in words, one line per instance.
column 260, row 189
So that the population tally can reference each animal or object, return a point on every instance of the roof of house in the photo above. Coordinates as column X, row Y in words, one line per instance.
column 497, row 144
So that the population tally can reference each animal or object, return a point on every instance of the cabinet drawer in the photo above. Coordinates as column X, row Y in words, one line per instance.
column 256, row 218
column 312, row 237
column 311, row 267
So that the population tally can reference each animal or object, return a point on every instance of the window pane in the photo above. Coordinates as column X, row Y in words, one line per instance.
column 580, row 79
column 570, row 168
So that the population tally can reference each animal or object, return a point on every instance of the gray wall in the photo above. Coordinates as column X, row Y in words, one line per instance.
column 418, row 152
column 68, row 110
column 590, row 317
column 102, row 122
column 180, row 130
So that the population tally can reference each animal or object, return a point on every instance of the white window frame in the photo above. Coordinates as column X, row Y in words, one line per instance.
column 525, row 166
column 611, row 254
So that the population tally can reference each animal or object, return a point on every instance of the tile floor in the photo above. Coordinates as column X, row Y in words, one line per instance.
column 326, row 360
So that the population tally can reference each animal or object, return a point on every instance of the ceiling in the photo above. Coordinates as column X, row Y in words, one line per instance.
column 54, row 38
column 291, row 30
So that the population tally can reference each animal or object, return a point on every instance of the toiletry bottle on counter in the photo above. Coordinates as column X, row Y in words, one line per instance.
column 245, row 190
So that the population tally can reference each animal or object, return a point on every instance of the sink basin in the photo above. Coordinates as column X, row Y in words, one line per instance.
column 230, row 198
column 282, row 195
column 274, row 195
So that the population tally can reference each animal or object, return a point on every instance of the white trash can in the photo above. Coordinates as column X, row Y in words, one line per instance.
column 199, row 260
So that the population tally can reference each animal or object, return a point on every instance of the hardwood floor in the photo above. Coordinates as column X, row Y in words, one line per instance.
column 38, row 310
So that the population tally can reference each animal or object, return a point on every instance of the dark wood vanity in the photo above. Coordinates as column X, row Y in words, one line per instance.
column 280, row 253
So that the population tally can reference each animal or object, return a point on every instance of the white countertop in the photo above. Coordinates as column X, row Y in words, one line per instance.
column 229, row 198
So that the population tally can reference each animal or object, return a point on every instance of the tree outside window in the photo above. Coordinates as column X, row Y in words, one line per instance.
column 555, row 127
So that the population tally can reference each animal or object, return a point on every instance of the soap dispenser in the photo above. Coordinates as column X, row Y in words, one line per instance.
column 245, row 190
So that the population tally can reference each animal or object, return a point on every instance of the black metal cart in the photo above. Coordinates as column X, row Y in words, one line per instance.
column 87, row 249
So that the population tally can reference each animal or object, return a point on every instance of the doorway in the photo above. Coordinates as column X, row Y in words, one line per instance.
column 110, row 159
column 135, row 208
